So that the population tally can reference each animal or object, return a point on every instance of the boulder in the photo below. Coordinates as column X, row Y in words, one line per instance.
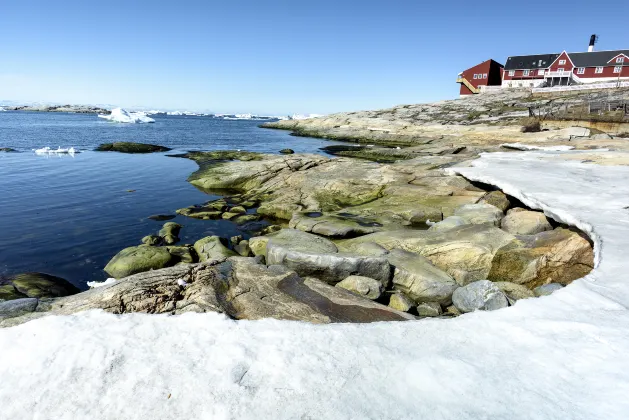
column 7, row 150
column 35, row 285
column 245, row 218
column 370, row 248
column 212, row 248
column 243, row 249
column 341, row 225
column 481, row 213
column 137, row 259
column 401, row 302
column 514, row 291
column 448, row 223
column 364, row 286
column 152, row 240
column 129, row 147
column 525, row 223
column 170, row 233
column 17, row 307
column 161, row 217
column 497, row 199
column 479, row 295
column 547, row 289
column 559, row 256
column 287, row 151
column 183, row 253
column 295, row 240
column 229, row 215
column 238, row 210
column 429, row 309
column 419, row 279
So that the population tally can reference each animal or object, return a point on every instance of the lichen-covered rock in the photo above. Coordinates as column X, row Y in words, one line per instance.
column 137, row 259
column 514, row 291
column 293, row 239
column 212, row 248
column 238, row 210
column 525, row 223
column 287, row 151
column 35, row 285
column 129, row 147
column 479, row 295
column 497, row 199
column 364, row 286
column 152, row 240
column 559, row 256
column 401, row 302
column 429, row 309
column 170, row 233
column 547, row 289
column 344, row 225
column 481, row 213
column 183, row 253
column 245, row 218
column 243, row 249
column 419, row 279
column 449, row 223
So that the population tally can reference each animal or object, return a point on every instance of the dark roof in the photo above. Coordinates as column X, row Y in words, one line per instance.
column 597, row 58
column 540, row 61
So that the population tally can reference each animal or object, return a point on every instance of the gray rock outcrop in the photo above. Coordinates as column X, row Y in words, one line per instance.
column 479, row 295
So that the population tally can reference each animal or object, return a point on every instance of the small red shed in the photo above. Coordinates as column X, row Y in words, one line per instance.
column 487, row 73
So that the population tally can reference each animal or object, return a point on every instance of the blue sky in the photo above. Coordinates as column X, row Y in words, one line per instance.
column 278, row 57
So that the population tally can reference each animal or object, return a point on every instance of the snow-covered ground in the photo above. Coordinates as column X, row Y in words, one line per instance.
column 521, row 146
column 123, row 116
column 562, row 356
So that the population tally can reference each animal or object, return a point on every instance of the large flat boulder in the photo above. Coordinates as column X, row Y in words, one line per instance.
column 525, row 223
column 479, row 295
column 481, row 213
column 35, row 285
column 294, row 239
column 212, row 248
column 137, row 259
column 334, row 225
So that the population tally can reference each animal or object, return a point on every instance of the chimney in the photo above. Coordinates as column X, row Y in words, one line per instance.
column 593, row 40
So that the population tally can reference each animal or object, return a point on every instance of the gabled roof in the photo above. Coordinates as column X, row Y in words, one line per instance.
column 524, row 62
column 597, row 58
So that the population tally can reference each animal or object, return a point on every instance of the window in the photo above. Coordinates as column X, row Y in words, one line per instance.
column 526, row 72
column 485, row 76
column 541, row 72
column 511, row 72
column 581, row 70
column 617, row 69
column 562, row 62
column 560, row 71
column 598, row 70
column 475, row 76
column 620, row 59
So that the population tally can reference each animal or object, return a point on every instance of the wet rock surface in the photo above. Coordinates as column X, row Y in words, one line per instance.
column 128, row 147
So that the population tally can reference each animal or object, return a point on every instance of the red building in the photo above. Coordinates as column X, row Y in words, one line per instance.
column 487, row 73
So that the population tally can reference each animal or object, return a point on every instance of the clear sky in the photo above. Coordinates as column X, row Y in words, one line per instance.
column 278, row 57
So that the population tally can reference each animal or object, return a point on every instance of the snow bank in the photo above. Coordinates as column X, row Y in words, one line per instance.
column 123, row 116
column 520, row 146
column 562, row 356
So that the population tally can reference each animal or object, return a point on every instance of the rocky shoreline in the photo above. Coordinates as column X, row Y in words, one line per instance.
column 77, row 109
column 349, row 241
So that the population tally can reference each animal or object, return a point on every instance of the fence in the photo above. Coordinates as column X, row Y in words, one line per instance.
column 609, row 85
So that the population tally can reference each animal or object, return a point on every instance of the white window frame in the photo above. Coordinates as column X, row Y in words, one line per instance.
column 541, row 72
column 484, row 75
column 561, row 70
column 599, row 70
column 617, row 69
column 511, row 72
column 526, row 73
column 581, row 70
column 562, row 62
column 620, row 59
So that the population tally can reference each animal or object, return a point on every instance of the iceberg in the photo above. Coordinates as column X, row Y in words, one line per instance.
column 123, row 116
column 58, row 151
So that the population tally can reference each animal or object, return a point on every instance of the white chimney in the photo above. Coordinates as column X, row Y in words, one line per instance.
column 593, row 40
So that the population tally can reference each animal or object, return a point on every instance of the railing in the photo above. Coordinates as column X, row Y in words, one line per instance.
column 467, row 83
column 609, row 85
column 558, row 74
column 490, row 89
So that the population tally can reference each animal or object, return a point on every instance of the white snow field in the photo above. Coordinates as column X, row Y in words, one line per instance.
column 123, row 116
column 564, row 356
column 521, row 146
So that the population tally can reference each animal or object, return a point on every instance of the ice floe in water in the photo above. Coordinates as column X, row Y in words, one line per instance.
column 95, row 284
column 58, row 151
column 521, row 146
column 123, row 116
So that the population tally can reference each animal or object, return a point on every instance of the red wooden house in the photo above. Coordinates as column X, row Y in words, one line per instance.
column 487, row 73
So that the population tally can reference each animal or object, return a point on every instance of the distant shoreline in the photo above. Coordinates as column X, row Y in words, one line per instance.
column 78, row 109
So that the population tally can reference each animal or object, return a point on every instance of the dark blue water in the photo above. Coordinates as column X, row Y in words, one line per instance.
column 67, row 216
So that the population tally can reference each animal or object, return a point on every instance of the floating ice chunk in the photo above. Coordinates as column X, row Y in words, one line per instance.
column 520, row 146
column 95, row 284
column 123, row 116
column 58, row 151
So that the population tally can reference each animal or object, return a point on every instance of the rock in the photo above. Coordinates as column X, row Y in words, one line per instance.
column 601, row 136
column 137, row 259
column 482, row 213
column 466, row 252
column 257, row 244
column 515, row 210
column 235, row 240
column 364, row 286
column 479, row 295
column 295, row 240
column 514, row 291
column 245, row 218
column 184, row 253
column 416, row 277
column 525, row 223
column 497, row 199
column 569, row 133
column 243, row 249
column 429, row 309
column 448, row 223
column 270, row 229
column 35, row 285
column 343, row 225
column 7, row 150
column 401, row 302
column 128, row 147
column 170, row 233
column 229, row 215
column 201, row 212
column 212, row 248
column 558, row 256
column 452, row 311
column 238, row 210
column 287, row 151
column 17, row 307
column 546, row 289
column 152, row 240
column 162, row 217
column 370, row 248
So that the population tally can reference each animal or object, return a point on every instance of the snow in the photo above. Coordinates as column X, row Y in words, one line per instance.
column 520, row 146
column 58, row 151
column 95, row 284
column 562, row 356
column 305, row 116
column 123, row 116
